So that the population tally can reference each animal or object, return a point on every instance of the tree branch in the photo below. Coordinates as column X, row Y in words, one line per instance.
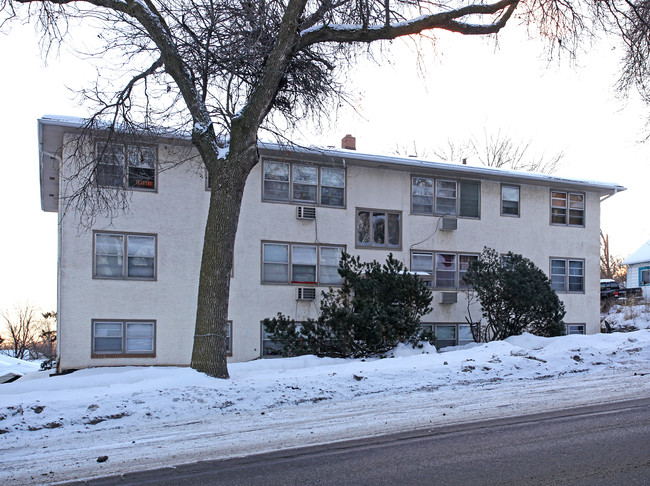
column 444, row 20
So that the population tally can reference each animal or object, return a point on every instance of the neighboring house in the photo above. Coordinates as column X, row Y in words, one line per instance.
column 638, row 269
column 127, row 287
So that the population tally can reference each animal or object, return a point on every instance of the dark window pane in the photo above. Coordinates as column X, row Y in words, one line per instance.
column 332, row 196
column 558, row 216
column 379, row 229
column 469, row 199
column 304, row 193
column 363, row 228
column 393, row 229
column 276, row 191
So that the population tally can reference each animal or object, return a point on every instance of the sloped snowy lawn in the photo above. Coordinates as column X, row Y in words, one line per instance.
column 55, row 428
column 629, row 315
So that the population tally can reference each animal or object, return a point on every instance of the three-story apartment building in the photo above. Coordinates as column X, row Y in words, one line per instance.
column 127, row 286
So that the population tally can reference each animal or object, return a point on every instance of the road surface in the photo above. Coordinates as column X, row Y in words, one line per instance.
column 597, row 445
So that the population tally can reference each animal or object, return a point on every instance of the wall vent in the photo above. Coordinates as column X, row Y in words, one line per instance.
column 448, row 298
column 305, row 212
column 305, row 293
column 449, row 224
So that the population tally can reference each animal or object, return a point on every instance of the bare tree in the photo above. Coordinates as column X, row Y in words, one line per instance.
column 501, row 151
column 222, row 70
column 21, row 324
column 610, row 266
column 45, row 340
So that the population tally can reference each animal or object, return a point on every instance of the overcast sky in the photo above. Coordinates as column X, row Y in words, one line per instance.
column 467, row 88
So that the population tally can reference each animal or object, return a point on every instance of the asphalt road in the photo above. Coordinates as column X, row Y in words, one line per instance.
column 597, row 445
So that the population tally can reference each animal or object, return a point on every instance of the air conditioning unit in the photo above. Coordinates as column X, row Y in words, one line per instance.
column 449, row 224
column 306, row 212
column 306, row 293
column 448, row 297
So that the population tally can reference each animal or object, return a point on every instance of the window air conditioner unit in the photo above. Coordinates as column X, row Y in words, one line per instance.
column 449, row 224
column 448, row 298
column 306, row 212
column 305, row 293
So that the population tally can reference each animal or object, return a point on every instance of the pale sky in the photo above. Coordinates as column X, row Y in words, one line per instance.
column 467, row 88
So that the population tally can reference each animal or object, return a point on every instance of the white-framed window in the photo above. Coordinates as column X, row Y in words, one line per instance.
column 124, row 256
column 379, row 228
column 442, row 270
column 118, row 338
column 297, row 183
column 568, row 275
column 126, row 165
column 567, row 209
column 510, row 200
column 297, row 263
column 644, row 276
column 575, row 329
column 445, row 197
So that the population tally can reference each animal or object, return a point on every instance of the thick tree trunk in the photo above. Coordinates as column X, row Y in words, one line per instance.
column 227, row 189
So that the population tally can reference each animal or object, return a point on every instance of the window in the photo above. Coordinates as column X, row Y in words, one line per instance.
column 115, row 160
column 450, row 268
column 441, row 197
column 445, row 198
column 303, row 264
column 303, row 184
column 575, row 329
column 644, row 276
column 229, row 338
column 125, row 256
column 445, row 335
column 422, row 266
column 469, row 200
column 567, row 275
column 464, row 261
column 465, row 334
column 269, row 348
column 379, row 229
column 286, row 263
column 329, row 265
column 449, row 334
column 509, row 201
column 446, row 271
column 120, row 338
column 567, row 208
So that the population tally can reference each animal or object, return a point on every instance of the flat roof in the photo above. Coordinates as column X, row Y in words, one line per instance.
column 51, row 129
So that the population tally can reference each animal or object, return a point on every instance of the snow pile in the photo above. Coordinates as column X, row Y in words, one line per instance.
column 16, row 366
column 55, row 428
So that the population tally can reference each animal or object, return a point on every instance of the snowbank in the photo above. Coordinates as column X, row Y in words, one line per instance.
column 54, row 428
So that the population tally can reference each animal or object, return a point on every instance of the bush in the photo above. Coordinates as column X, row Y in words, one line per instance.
column 377, row 307
column 515, row 296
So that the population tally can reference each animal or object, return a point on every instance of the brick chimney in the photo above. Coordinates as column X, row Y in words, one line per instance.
column 349, row 142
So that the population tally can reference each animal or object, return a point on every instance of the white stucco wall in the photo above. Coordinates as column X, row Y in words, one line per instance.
column 176, row 214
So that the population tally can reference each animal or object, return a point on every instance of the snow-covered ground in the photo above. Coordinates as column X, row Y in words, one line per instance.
column 628, row 316
column 55, row 428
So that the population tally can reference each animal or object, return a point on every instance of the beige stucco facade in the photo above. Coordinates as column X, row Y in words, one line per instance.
column 175, row 214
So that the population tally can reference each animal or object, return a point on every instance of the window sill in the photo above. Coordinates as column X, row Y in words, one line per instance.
column 302, row 203
column 123, row 355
